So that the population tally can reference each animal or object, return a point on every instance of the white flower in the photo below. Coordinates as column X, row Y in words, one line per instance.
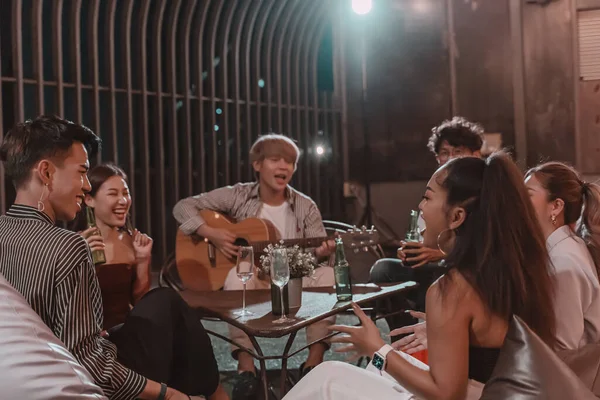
column 301, row 263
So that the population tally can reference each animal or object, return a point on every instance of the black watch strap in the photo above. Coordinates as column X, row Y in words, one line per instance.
column 163, row 392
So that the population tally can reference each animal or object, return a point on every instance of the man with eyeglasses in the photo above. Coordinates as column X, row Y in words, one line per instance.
column 453, row 138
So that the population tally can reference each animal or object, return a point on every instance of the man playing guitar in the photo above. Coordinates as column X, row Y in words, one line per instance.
column 295, row 215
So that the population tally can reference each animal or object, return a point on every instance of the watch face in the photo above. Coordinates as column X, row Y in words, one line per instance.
column 378, row 361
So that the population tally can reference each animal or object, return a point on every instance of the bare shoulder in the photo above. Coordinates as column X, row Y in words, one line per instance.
column 450, row 296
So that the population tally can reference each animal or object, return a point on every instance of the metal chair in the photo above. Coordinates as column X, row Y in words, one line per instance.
column 168, row 276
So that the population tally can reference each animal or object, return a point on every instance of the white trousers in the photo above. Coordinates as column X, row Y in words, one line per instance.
column 334, row 380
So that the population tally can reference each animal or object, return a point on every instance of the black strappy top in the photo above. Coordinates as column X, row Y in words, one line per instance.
column 482, row 361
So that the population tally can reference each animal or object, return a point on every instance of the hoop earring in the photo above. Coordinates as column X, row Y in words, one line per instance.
column 553, row 219
column 438, row 241
column 40, row 204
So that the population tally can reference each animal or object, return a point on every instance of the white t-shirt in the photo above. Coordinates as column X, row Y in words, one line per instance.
column 281, row 216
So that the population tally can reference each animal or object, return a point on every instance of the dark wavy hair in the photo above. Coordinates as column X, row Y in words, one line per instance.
column 500, row 248
column 458, row 132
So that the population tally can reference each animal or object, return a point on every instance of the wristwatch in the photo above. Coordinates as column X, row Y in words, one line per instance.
column 380, row 357
column 163, row 392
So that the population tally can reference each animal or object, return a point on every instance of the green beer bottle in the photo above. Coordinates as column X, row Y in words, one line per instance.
column 343, row 285
column 98, row 256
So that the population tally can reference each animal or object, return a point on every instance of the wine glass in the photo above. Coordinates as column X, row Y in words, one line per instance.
column 280, row 276
column 245, row 270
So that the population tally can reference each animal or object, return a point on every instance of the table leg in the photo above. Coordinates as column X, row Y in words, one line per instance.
column 284, row 360
column 263, row 366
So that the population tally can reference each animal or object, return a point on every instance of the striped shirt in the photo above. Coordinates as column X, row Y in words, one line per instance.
column 242, row 201
column 52, row 268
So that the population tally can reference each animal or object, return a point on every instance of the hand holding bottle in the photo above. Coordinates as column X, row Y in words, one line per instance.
column 94, row 239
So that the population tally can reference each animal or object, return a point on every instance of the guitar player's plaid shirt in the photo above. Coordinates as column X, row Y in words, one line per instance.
column 242, row 201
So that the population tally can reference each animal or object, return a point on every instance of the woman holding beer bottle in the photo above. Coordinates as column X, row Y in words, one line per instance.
column 136, row 317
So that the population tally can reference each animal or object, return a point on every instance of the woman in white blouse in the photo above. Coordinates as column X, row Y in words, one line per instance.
column 568, row 211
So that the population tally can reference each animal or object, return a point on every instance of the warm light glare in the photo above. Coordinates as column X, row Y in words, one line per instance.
column 362, row 7
column 320, row 150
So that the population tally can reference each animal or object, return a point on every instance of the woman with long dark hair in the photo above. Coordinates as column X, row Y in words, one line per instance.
column 161, row 337
column 478, row 212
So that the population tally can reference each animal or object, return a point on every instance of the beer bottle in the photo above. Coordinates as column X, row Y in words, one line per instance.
column 98, row 256
column 343, row 285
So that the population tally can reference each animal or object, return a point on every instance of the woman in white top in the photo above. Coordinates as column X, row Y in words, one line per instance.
column 568, row 211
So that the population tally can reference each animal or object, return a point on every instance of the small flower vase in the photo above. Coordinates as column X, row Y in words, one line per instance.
column 295, row 293
column 276, row 299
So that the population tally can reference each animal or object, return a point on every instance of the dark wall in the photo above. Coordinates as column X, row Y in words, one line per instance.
column 430, row 59
column 549, row 82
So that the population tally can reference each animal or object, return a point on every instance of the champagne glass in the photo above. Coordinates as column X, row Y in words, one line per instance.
column 245, row 271
column 280, row 276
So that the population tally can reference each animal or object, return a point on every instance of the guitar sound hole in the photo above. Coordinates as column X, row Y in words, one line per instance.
column 241, row 242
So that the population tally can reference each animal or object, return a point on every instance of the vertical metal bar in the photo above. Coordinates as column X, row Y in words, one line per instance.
column 142, row 52
column 331, row 181
column 58, row 54
column 198, row 49
column 38, row 58
column 159, row 120
column 213, row 95
column 338, row 155
column 76, row 52
column 518, row 73
column 291, row 10
column 252, row 81
column 128, row 87
column 225, row 76
column 453, row 53
column 298, row 50
column 340, row 75
column 307, row 121
column 94, row 14
column 299, row 21
column 172, row 87
column 314, row 58
column 236, row 85
column 247, row 175
column 187, row 154
column 269, row 60
column 17, row 53
column 110, row 66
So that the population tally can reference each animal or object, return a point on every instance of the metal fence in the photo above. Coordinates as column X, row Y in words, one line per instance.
column 177, row 89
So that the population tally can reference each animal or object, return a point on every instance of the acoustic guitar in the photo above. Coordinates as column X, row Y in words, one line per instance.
column 201, row 266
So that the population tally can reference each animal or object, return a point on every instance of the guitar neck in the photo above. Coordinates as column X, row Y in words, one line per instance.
column 259, row 247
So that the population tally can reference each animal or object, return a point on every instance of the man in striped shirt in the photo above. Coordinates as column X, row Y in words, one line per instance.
column 47, row 160
column 295, row 215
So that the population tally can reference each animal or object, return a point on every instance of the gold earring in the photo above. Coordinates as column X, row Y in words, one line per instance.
column 438, row 241
column 553, row 219
column 40, row 204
